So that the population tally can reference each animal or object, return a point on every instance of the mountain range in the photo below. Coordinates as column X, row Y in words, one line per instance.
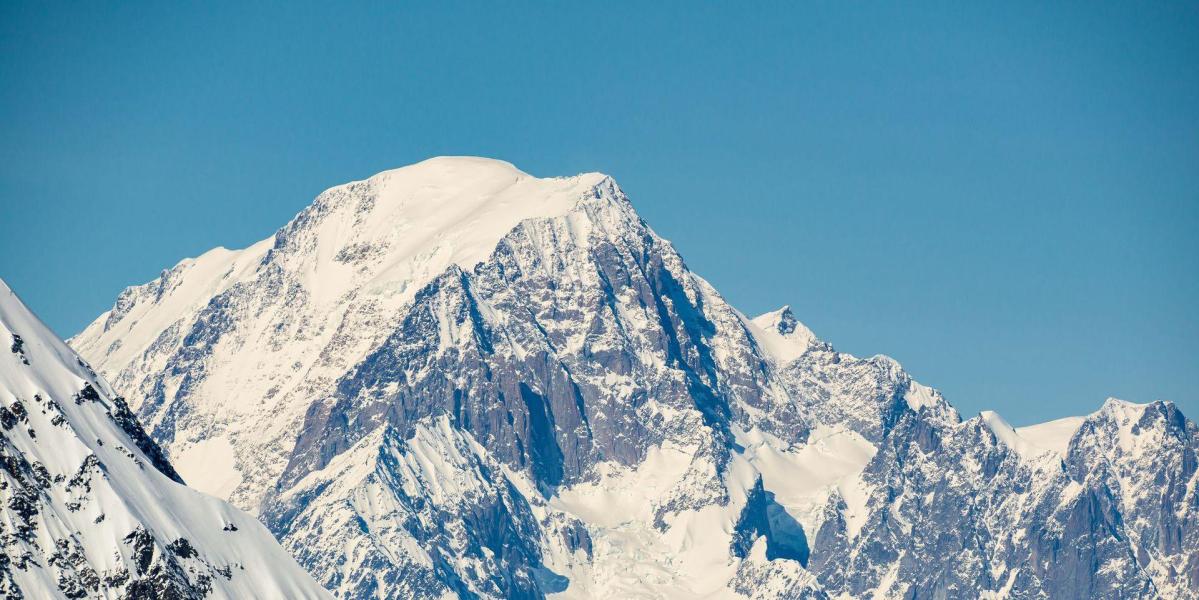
column 455, row 379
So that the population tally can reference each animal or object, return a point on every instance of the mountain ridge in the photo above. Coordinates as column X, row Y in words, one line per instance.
column 91, row 506
column 575, row 364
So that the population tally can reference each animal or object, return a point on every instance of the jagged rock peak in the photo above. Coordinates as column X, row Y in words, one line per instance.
column 783, row 336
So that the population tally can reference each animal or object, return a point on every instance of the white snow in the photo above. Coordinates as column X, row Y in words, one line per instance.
column 1052, row 435
column 919, row 396
column 427, row 216
column 803, row 477
column 1055, row 435
column 783, row 337
column 1008, row 435
column 856, row 494
column 632, row 558
column 209, row 466
column 620, row 496
column 129, row 492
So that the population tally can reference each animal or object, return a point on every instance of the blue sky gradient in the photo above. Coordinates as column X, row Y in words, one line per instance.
column 1004, row 197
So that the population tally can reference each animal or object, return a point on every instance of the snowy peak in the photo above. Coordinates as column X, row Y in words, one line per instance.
column 781, row 321
column 443, row 211
column 1122, row 411
column 262, row 331
column 1127, row 430
column 380, row 240
column 782, row 335
column 457, row 379
column 91, row 506
column 1148, row 456
column 458, row 167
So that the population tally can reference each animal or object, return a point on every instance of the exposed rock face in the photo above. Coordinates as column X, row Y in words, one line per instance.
column 455, row 379
column 434, row 498
column 763, row 517
column 1145, row 456
column 89, row 505
column 524, row 350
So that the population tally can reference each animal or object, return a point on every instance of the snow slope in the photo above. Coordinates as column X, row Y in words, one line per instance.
column 1052, row 435
column 91, row 507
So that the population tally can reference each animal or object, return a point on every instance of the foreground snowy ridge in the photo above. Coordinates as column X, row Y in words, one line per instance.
column 511, row 387
column 92, row 509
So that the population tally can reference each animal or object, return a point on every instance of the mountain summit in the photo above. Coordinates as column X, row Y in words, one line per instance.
column 458, row 380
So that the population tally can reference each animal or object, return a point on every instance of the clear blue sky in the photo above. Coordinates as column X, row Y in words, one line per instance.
column 1005, row 198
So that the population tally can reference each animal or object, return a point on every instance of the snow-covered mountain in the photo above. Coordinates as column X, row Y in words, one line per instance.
column 456, row 379
column 90, row 506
